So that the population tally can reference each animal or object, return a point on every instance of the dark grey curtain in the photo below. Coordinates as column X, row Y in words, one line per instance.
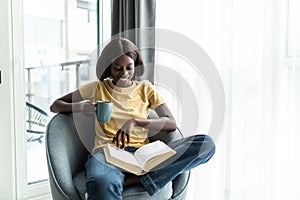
column 130, row 19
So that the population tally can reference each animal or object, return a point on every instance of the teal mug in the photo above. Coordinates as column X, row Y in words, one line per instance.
column 103, row 110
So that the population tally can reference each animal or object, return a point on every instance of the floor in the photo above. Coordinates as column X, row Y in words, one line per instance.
column 37, row 170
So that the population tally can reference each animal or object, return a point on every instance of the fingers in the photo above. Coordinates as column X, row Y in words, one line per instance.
column 128, row 138
column 116, row 138
column 119, row 139
column 88, row 107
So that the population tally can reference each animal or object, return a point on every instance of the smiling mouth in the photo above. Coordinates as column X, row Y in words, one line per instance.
column 122, row 81
column 124, row 78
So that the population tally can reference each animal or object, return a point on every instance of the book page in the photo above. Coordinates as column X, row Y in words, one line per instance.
column 122, row 155
column 150, row 151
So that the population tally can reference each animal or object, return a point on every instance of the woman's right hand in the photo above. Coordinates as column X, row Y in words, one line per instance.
column 87, row 107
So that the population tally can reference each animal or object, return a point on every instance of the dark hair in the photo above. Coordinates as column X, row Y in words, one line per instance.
column 113, row 50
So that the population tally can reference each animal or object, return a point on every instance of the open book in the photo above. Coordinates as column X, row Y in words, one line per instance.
column 142, row 160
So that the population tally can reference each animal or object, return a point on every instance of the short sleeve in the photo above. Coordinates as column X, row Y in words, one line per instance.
column 88, row 90
column 154, row 98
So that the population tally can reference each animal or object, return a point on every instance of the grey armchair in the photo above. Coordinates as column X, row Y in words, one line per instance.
column 69, row 138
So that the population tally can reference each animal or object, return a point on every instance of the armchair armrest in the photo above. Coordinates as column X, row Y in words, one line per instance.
column 65, row 154
column 165, row 136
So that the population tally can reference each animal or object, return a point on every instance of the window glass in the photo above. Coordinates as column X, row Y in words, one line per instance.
column 57, row 34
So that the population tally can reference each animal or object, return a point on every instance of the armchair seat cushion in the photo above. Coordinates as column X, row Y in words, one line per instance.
column 130, row 193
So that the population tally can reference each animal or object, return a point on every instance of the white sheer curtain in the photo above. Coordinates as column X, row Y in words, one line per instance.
column 255, row 46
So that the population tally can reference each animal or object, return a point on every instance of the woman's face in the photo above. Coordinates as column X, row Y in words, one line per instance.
column 122, row 71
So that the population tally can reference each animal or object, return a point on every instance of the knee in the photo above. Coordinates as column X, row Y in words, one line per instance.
column 103, row 183
column 106, row 181
column 205, row 145
column 113, row 184
column 204, row 140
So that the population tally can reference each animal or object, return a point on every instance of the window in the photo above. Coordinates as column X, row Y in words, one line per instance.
column 56, row 61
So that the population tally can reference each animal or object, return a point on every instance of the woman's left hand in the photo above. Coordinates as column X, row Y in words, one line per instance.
column 123, row 134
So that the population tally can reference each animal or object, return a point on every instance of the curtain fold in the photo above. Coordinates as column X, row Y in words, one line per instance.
column 257, row 154
column 130, row 19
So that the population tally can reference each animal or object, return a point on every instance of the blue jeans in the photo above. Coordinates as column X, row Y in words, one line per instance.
column 105, row 181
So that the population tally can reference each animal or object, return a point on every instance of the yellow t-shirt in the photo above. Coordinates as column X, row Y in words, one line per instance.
column 129, row 102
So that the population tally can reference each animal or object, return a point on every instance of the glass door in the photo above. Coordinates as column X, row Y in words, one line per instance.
column 58, row 37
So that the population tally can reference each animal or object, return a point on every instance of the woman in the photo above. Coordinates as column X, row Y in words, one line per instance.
column 119, row 64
